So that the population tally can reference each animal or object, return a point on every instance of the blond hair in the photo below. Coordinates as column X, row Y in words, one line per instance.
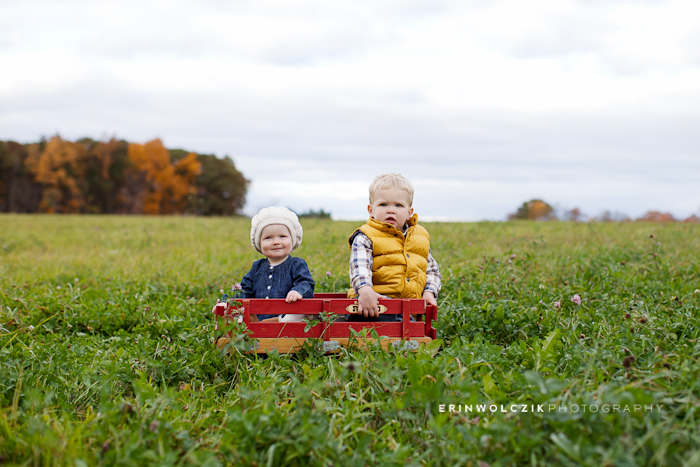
column 391, row 181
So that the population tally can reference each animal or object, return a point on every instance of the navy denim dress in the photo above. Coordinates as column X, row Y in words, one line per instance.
column 266, row 281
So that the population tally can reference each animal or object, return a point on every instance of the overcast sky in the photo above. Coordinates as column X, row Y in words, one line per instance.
column 482, row 104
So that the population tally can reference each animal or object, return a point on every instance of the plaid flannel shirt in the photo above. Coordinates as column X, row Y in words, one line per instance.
column 361, row 261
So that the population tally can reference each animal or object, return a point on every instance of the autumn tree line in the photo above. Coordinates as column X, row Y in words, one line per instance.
column 116, row 177
column 539, row 210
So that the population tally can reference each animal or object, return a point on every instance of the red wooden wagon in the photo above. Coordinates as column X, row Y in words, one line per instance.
column 290, row 336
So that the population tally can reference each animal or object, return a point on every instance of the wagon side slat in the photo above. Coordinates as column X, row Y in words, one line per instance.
column 290, row 336
column 315, row 306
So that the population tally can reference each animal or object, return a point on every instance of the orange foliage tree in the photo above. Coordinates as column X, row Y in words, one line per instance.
column 164, row 187
column 535, row 209
column 59, row 167
column 656, row 216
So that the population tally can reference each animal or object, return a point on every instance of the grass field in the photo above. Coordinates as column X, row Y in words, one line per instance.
column 106, row 353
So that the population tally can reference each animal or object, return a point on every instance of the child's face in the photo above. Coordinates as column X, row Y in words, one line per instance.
column 391, row 206
column 276, row 243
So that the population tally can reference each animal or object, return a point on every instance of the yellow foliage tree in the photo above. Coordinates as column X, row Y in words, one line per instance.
column 535, row 209
column 59, row 168
column 166, row 185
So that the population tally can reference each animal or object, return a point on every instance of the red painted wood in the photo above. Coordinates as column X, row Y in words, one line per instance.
column 324, row 325
column 431, row 331
column 246, row 315
column 315, row 306
column 428, row 319
column 283, row 330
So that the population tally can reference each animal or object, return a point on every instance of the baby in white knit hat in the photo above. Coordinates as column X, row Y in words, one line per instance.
column 276, row 232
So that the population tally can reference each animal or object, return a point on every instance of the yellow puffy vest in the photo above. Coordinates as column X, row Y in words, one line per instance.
column 399, row 262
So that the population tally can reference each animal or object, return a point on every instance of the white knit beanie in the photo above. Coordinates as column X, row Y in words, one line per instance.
column 275, row 215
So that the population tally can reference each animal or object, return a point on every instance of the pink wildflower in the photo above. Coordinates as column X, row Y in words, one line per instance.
column 329, row 274
column 153, row 426
column 237, row 286
column 576, row 299
column 557, row 304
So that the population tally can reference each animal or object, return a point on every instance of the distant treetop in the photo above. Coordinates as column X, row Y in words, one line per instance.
column 536, row 210
column 311, row 214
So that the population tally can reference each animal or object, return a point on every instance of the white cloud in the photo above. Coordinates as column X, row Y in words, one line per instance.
column 498, row 101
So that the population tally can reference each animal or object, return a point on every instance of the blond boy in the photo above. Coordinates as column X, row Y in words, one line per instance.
column 391, row 253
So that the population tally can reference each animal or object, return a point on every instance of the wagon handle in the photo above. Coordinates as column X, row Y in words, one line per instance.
column 355, row 308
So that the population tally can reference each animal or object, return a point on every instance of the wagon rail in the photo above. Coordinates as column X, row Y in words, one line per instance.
column 288, row 337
